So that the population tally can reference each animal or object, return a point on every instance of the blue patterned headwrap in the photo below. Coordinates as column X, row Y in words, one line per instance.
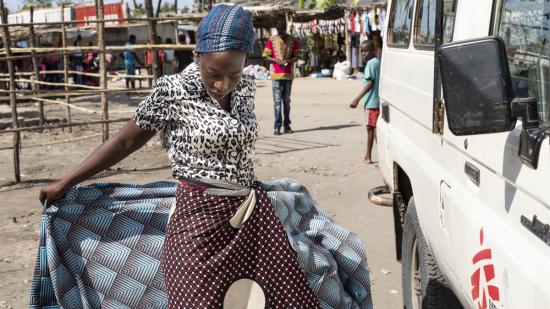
column 225, row 27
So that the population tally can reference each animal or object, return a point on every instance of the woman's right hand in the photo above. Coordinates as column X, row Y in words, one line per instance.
column 53, row 191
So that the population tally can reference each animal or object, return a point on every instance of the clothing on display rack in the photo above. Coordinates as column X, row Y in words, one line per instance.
column 355, row 53
column 351, row 21
column 320, row 40
column 365, row 23
column 381, row 12
column 357, row 23
column 372, row 20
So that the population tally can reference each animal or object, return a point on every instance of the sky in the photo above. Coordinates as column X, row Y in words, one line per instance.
column 14, row 5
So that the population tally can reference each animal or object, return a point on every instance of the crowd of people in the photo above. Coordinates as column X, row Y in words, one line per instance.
column 282, row 51
column 82, row 61
column 170, row 61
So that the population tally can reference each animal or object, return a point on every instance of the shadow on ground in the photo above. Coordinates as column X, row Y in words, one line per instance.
column 328, row 128
column 29, row 183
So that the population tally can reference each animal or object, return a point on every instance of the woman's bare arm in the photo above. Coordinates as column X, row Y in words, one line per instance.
column 129, row 139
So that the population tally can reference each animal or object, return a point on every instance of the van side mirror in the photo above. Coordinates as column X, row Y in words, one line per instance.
column 478, row 94
column 477, row 87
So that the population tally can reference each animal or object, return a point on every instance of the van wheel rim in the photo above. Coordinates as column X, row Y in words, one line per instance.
column 416, row 278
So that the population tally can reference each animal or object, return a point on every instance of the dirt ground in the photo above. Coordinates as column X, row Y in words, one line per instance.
column 324, row 153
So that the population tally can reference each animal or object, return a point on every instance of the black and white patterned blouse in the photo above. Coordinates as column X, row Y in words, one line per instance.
column 201, row 138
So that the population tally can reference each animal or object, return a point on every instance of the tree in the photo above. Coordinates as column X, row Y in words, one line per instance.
column 168, row 8
column 325, row 4
column 38, row 4
column 64, row 2
column 159, row 4
column 137, row 12
column 319, row 4
column 138, row 9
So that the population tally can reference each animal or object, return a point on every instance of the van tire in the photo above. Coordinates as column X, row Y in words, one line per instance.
column 429, row 282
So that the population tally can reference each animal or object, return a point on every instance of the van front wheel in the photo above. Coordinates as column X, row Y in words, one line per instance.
column 423, row 285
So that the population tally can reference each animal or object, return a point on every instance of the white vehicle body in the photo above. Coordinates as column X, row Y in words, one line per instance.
column 458, row 217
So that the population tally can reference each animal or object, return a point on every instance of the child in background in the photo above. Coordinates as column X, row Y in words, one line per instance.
column 370, row 92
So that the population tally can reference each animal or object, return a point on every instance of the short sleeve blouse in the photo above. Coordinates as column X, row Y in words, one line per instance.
column 201, row 138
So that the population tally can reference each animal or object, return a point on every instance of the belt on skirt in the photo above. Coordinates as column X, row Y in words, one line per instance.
column 224, row 188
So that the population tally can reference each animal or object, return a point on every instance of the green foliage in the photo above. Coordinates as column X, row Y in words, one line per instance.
column 37, row 4
column 324, row 4
column 139, row 11
column 319, row 4
column 307, row 4
column 168, row 8
column 64, row 2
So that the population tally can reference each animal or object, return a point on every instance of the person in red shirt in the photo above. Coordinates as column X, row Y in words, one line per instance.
column 149, row 58
column 282, row 51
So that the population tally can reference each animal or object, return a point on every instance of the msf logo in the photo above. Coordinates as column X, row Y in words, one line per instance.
column 484, row 293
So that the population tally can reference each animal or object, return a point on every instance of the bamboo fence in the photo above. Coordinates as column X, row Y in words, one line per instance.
column 10, row 54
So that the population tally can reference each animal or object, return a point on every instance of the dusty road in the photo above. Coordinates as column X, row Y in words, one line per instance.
column 325, row 154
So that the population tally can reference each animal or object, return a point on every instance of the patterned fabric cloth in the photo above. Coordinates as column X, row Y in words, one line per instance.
column 332, row 257
column 100, row 246
column 225, row 27
column 201, row 138
column 283, row 50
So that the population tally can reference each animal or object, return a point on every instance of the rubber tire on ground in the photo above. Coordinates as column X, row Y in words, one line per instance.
column 435, row 292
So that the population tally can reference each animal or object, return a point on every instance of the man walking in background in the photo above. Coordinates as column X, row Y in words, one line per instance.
column 281, row 51
column 370, row 92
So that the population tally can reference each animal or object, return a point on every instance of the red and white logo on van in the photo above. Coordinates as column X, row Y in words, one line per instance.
column 484, row 293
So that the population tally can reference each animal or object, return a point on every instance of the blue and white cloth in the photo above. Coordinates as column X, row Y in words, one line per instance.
column 100, row 247
column 225, row 27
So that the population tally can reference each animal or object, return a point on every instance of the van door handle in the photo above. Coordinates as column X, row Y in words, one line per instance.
column 472, row 172
column 386, row 112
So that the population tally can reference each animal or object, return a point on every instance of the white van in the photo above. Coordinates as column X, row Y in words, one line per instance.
column 470, row 184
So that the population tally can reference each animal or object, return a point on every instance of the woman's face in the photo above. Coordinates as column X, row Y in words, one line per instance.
column 221, row 72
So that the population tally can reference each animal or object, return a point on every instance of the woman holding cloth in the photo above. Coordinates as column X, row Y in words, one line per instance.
column 230, row 236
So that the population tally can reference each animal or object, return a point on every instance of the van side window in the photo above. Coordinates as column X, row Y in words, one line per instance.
column 449, row 14
column 524, row 27
column 399, row 27
column 424, row 25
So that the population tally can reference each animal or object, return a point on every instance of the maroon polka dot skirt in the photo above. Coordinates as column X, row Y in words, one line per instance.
column 204, row 257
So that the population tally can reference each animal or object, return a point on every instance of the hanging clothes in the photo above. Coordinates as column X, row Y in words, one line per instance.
column 351, row 21
column 357, row 23
column 372, row 20
column 381, row 12
column 355, row 53
column 365, row 21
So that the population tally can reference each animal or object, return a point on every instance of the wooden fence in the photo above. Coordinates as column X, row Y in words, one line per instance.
column 10, row 54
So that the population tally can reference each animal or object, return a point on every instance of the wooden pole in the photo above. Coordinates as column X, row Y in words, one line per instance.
column 13, row 99
column 35, row 87
column 348, row 42
column 102, row 69
column 152, row 36
column 192, row 16
column 78, row 49
column 65, row 67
